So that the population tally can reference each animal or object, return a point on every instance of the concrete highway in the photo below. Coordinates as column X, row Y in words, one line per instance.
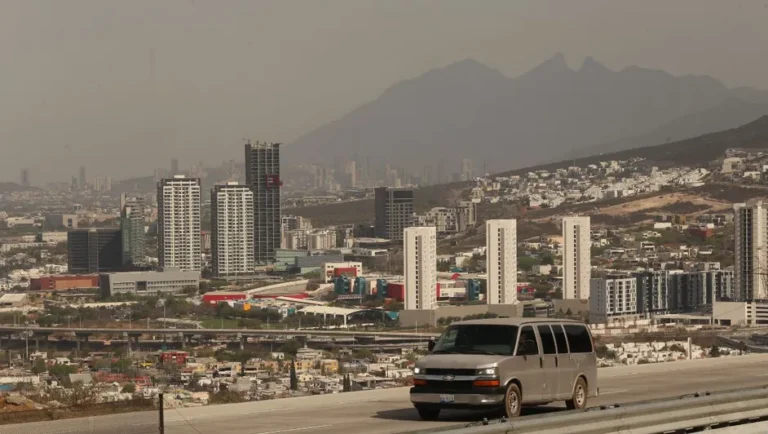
column 389, row 410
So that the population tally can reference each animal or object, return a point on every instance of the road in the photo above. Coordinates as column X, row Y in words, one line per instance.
column 389, row 411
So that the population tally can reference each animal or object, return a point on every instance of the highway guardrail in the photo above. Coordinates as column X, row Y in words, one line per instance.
column 691, row 412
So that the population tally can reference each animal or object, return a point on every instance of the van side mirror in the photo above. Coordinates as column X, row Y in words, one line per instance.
column 431, row 345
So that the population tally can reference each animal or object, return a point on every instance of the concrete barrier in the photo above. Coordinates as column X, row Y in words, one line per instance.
column 648, row 418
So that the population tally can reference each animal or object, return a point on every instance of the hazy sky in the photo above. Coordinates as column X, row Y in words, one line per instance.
column 86, row 81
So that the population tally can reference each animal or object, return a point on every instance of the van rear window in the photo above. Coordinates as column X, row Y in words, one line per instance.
column 579, row 339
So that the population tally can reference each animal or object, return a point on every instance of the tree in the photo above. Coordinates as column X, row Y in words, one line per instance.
column 39, row 367
column 363, row 353
column 294, row 378
column 291, row 347
column 714, row 351
column 129, row 388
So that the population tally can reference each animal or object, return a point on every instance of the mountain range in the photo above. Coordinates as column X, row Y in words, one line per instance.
column 550, row 113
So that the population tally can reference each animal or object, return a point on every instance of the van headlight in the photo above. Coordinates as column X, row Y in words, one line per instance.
column 417, row 371
column 494, row 372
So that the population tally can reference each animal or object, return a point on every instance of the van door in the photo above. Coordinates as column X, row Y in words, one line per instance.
column 529, row 365
column 565, row 364
column 551, row 369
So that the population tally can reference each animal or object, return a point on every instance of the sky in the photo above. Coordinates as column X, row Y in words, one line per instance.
column 122, row 87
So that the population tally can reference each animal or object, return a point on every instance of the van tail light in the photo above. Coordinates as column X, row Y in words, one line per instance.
column 485, row 383
column 417, row 382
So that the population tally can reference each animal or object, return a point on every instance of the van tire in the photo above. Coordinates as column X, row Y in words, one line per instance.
column 579, row 399
column 428, row 412
column 513, row 401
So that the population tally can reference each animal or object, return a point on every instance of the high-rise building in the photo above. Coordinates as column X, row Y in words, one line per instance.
column 466, row 169
column 467, row 215
column 576, row 258
column 94, row 250
column 178, row 223
column 750, row 246
column 132, row 228
column 501, row 251
column 262, row 175
column 612, row 296
column 25, row 177
column 174, row 167
column 82, row 180
column 420, row 265
column 394, row 212
column 232, row 229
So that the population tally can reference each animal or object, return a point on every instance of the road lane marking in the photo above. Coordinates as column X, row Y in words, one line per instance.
column 294, row 429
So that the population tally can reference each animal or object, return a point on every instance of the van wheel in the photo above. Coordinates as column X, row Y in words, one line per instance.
column 513, row 401
column 579, row 399
column 427, row 412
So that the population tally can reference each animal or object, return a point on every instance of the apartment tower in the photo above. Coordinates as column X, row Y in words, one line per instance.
column 232, row 229
column 751, row 258
column 501, row 248
column 576, row 258
column 420, row 266
column 178, row 223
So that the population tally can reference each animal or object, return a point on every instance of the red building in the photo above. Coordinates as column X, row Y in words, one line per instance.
column 64, row 282
column 396, row 291
column 702, row 232
column 345, row 271
column 178, row 357
column 217, row 297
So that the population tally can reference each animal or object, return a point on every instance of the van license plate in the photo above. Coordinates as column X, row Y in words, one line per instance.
column 444, row 399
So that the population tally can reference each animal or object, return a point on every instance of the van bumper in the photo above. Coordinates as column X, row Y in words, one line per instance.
column 485, row 397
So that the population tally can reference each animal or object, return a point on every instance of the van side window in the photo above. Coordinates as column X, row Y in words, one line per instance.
column 527, row 339
column 578, row 338
column 562, row 344
column 547, row 339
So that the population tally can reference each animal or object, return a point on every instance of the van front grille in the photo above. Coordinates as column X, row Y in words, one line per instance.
column 456, row 386
column 449, row 371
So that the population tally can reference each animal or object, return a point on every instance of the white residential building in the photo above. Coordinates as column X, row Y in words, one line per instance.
column 751, row 240
column 611, row 297
column 178, row 223
column 501, row 251
column 576, row 258
column 232, row 229
column 420, row 265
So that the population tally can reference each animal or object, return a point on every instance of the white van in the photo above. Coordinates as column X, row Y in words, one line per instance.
column 506, row 363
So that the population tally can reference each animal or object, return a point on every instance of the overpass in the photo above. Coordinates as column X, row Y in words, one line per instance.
column 389, row 410
column 186, row 335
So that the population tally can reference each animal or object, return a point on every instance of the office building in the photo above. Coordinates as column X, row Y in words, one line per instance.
column 420, row 266
column 750, row 243
column 148, row 283
column 262, row 175
column 232, row 229
column 294, row 222
column 178, row 223
column 174, row 167
column 612, row 297
column 61, row 221
column 132, row 228
column 467, row 215
column 501, row 260
column 81, row 180
column 94, row 250
column 466, row 169
column 25, row 177
column 394, row 212
column 576, row 258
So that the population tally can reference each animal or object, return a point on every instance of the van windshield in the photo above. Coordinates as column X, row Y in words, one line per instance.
column 490, row 339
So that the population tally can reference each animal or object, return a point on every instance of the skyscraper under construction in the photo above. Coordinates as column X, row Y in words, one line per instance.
column 262, row 175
